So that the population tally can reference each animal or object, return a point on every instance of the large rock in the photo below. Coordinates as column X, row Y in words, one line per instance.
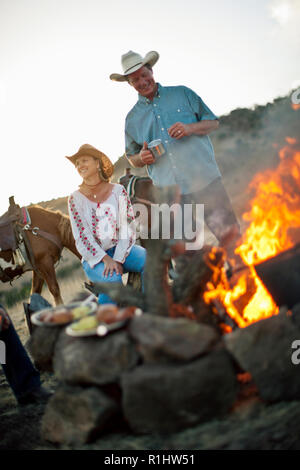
column 265, row 350
column 75, row 415
column 42, row 340
column 93, row 360
column 41, row 346
column 161, row 339
column 166, row 398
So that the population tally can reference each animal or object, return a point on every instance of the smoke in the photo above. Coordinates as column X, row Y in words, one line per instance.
column 286, row 14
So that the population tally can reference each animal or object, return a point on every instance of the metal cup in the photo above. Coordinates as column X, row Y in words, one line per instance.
column 156, row 148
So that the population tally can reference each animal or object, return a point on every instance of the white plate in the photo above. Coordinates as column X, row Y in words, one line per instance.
column 80, row 334
column 102, row 329
column 36, row 317
column 105, row 328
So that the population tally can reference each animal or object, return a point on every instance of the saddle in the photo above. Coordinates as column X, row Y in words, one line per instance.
column 8, row 240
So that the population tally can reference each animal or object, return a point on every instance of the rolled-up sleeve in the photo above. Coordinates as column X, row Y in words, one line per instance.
column 131, row 147
column 200, row 109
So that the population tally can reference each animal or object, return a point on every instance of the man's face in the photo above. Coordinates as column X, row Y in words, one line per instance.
column 143, row 82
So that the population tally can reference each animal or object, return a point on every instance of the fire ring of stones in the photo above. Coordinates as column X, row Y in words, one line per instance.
column 162, row 375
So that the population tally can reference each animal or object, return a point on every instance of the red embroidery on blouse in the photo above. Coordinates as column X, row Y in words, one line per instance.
column 81, row 229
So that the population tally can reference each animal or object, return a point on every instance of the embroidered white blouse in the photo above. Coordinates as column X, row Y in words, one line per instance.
column 97, row 227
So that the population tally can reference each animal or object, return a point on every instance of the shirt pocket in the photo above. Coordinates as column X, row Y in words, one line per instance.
column 182, row 114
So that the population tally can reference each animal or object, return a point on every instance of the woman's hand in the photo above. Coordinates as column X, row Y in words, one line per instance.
column 111, row 266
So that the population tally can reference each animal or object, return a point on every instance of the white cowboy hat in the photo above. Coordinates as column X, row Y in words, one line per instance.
column 132, row 61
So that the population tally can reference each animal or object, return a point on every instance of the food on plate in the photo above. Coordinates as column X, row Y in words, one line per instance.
column 107, row 313
column 46, row 316
column 59, row 316
column 85, row 324
column 81, row 311
column 127, row 312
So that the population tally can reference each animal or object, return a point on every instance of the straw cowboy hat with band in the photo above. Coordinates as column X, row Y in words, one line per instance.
column 131, row 62
column 106, row 166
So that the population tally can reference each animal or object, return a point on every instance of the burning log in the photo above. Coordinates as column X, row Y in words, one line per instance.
column 223, row 316
column 274, row 218
column 264, row 349
column 189, row 286
column 281, row 276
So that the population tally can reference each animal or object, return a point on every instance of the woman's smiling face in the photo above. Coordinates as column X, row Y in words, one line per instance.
column 87, row 166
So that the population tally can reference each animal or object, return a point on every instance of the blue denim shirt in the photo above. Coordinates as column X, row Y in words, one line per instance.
column 188, row 162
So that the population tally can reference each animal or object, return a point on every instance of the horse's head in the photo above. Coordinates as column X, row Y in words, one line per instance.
column 124, row 180
column 7, row 266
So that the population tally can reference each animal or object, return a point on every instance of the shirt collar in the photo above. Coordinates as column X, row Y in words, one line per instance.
column 143, row 99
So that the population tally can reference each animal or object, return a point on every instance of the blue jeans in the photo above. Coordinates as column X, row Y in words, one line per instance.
column 135, row 262
column 20, row 373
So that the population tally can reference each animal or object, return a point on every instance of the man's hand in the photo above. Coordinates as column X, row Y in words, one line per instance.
column 110, row 265
column 179, row 130
column 4, row 320
column 146, row 156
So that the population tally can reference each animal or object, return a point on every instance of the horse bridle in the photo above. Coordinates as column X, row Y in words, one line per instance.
column 131, row 190
column 22, row 227
column 48, row 236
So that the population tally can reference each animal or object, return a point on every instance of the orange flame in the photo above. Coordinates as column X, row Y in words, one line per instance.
column 274, row 217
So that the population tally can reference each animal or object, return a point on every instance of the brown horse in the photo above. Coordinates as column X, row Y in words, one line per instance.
column 140, row 190
column 43, row 252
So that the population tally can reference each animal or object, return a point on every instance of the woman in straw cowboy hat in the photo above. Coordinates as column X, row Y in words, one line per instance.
column 102, row 220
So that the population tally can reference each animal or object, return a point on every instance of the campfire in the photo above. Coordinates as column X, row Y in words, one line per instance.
column 274, row 223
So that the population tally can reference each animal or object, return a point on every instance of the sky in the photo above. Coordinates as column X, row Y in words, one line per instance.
column 56, row 57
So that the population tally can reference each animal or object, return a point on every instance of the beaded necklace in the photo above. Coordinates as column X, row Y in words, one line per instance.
column 91, row 190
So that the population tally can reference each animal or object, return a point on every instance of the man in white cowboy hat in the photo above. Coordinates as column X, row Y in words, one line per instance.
column 181, row 120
